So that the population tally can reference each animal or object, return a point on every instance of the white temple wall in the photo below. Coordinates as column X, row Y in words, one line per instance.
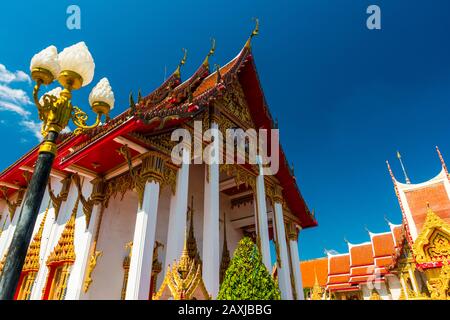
column 10, row 227
column 116, row 230
column 394, row 286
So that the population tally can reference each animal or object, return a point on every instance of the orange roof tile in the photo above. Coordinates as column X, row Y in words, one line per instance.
column 339, row 264
column 210, row 81
column 338, row 279
column 312, row 268
column 383, row 244
column 361, row 255
column 436, row 195
column 397, row 233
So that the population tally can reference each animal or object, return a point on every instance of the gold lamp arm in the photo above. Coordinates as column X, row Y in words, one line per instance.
column 79, row 118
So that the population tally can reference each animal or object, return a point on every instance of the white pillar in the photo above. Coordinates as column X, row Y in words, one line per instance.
column 83, row 238
column 284, row 275
column 211, row 228
column 295, row 262
column 52, row 233
column 177, row 215
column 138, row 286
column 261, row 211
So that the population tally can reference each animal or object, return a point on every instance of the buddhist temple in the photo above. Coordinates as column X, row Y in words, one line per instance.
column 113, row 220
column 410, row 261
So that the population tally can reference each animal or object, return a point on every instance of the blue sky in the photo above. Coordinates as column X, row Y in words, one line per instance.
column 346, row 98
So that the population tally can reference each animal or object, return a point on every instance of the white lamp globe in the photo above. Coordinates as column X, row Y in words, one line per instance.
column 43, row 62
column 78, row 59
column 102, row 95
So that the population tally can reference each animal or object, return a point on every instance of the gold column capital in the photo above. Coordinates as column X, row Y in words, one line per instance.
column 291, row 231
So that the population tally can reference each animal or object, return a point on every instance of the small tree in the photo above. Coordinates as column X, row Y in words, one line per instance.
column 247, row 277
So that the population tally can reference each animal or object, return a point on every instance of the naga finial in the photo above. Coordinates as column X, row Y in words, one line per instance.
column 182, row 62
column 255, row 32
column 219, row 76
column 211, row 52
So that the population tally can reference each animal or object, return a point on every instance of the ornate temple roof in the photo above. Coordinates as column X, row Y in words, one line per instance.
column 173, row 103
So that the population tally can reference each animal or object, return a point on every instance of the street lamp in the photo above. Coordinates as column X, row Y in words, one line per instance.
column 73, row 68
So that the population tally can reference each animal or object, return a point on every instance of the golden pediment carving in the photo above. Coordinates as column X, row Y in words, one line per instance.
column 433, row 242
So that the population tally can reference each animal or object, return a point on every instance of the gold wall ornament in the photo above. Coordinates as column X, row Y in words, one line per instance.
column 439, row 286
column 118, row 186
column 57, row 200
column 126, row 269
column 240, row 175
column 91, row 266
column 64, row 252
column 234, row 104
column 433, row 242
column 12, row 206
column 97, row 196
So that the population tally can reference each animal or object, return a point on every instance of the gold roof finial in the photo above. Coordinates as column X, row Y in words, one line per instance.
column 219, row 76
column 403, row 168
column 441, row 158
column 182, row 62
column 255, row 32
column 210, row 53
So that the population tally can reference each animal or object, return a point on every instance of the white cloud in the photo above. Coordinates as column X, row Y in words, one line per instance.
column 7, row 76
column 9, row 106
column 33, row 127
column 14, row 95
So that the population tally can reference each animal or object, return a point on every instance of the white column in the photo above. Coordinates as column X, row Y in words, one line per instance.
column 295, row 262
column 52, row 234
column 83, row 241
column 261, row 211
column 211, row 244
column 284, row 275
column 177, row 215
column 138, row 285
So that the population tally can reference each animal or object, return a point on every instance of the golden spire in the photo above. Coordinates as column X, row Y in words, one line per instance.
column 65, row 249
column 210, row 53
column 317, row 291
column 403, row 168
column 255, row 32
column 182, row 62
column 32, row 258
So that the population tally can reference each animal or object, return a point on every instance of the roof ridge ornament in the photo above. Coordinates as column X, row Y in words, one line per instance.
column 399, row 157
column 441, row 158
column 182, row 62
column 255, row 32
column 210, row 53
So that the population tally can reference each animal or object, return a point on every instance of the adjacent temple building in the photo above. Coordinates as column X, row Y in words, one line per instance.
column 410, row 261
column 120, row 220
